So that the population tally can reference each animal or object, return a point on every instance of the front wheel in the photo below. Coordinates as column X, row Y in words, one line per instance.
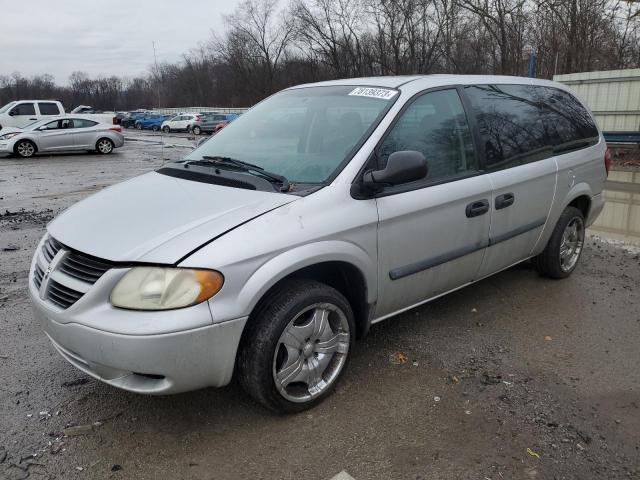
column 139, row 126
column 155, row 128
column 296, row 346
column 25, row 148
column 561, row 255
column 104, row 146
column 166, row 129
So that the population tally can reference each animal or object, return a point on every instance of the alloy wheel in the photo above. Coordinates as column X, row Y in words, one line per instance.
column 311, row 352
column 571, row 244
column 25, row 149
column 105, row 146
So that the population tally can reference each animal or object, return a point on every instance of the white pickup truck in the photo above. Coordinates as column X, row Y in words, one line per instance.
column 23, row 112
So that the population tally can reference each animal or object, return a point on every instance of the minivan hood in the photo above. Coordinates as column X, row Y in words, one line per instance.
column 157, row 218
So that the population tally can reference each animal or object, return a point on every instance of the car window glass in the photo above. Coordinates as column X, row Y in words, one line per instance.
column 514, row 126
column 66, row 123
column 435, row 124
column 568, row 120
column 83, row 123
column 24, row 109
column 51, row 125
column 48, row 108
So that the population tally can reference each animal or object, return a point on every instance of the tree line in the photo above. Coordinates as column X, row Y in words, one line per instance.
column 266, row 47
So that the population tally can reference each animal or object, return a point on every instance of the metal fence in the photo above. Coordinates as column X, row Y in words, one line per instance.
column 178, row 110
column 614, row 98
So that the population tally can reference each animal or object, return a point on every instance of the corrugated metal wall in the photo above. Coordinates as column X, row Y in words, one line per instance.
column 613, row 96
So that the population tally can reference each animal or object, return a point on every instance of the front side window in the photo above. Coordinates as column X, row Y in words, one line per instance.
column 48, row 108
column 55, row 125
column 304, row 134
column 435, row 124
column 24, row 109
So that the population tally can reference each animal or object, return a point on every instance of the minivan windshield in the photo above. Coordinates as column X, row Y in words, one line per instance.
column 304, row 134
column 7, row 107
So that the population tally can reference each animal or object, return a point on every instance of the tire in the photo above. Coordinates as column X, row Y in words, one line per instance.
column 138, row 126
column 296, row 306
column 25, row 149
column 155, row 128
column 196, row 130
column 166, row 129
column 561, row 255
column 104, row 146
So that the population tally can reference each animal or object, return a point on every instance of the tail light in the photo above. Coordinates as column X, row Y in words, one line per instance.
column 197, row 118
column 607, row 160
column 114, row 120
column 116, row 129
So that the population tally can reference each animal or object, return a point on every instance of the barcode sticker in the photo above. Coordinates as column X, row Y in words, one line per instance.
column 382, row 93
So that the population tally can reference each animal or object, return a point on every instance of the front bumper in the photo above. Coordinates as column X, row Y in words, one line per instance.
column 4, row 147
column 144, row 352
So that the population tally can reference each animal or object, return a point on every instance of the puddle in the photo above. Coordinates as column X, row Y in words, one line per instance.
column 620, row 219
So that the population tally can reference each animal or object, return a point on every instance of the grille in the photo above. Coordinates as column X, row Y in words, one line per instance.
column 37, row 276
column 62, row 296
column 74, row 264
column 83, row 268
column 50, row 248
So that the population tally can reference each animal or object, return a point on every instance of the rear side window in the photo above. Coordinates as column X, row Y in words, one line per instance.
column 83, row 123
column 48, row 108
column 525, row 123
column 24, row 109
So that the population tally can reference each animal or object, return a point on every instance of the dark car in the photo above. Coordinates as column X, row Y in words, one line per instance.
column 130, row 119
column 212, row 122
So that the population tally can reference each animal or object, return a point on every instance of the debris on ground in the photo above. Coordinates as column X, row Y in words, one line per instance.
column 398, row 358
column 532, row 453
column 73, row 383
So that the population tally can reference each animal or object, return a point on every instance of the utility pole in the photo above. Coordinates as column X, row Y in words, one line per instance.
column 157, row 72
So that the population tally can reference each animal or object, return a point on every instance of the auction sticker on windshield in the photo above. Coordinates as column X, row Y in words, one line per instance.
column 382, row 93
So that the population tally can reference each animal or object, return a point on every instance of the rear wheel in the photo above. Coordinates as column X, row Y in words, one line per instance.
column 104, row 146
column 25, row 148
column 139, row 126
column 561, row 255
column 296, row 346
column 166, row 129
column 197, row 130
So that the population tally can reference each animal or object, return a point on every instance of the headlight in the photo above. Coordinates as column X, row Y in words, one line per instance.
column 7, row 136
column 158, row 288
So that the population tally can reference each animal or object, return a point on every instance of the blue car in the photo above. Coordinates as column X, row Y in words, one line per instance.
column 151, row 122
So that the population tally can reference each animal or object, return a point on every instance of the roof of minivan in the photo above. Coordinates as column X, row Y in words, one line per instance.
column 433, row 80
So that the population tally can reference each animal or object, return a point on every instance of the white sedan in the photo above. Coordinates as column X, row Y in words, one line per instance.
column 61, row 134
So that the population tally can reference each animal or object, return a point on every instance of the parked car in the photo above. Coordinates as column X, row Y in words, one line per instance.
column 24, row 112
column 151, row 122
column 61, row 134
column 213, row 122
column 267, row 257
column 185, row 122
column 130, row 119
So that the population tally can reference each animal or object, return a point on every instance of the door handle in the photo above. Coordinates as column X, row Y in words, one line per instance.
column 504, row 200
column 477, row 208
column 33, row 119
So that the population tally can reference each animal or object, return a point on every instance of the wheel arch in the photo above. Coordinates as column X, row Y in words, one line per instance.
column 28, row 139
column 341, row 265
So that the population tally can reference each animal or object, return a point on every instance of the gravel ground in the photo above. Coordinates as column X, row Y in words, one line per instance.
column 516, row 376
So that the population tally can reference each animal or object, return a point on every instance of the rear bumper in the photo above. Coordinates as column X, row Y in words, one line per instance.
column 597, row 204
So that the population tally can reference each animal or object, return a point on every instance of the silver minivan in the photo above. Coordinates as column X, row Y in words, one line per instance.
column 271, row 248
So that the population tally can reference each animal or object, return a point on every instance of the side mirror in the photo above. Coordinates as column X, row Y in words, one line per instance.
column 12, row 113
column 402, row 167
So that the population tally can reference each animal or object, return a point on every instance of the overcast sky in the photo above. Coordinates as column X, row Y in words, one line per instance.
column 102, row 37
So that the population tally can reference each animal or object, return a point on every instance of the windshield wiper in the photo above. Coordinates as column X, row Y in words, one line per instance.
column 243, row 166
